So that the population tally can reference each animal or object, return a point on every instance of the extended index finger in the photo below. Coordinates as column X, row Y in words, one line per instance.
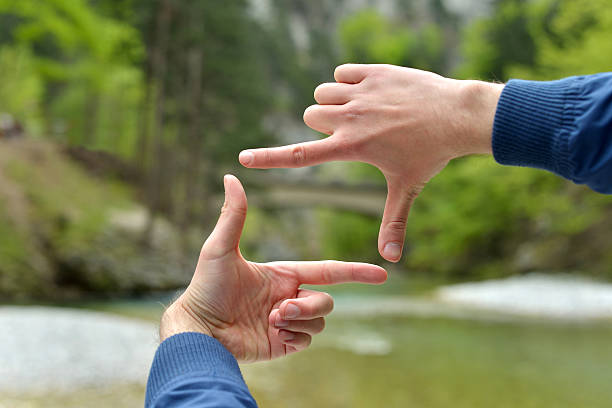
column 333, row 272
column 296, row 155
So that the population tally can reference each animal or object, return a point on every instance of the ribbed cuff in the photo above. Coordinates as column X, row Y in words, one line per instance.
column 533, row 122
column 190, row 353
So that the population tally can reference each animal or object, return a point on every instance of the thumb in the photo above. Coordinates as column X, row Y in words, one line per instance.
column 393, row 226
column 226, row 235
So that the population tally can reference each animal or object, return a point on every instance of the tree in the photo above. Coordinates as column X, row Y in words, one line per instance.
column 80, row 57
column 369, row 37
column 573, row 40
column 492, row 44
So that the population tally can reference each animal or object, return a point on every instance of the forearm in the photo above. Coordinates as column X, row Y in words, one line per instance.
column 475, row 113
column 562, row 126
column 195, row 370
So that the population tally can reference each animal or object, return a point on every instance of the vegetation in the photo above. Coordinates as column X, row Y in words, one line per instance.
column 155, row 98
column 173, row 90
column 63, row 232
column 478, row 219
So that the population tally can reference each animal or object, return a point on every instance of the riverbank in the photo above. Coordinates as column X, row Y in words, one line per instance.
column 375, row 350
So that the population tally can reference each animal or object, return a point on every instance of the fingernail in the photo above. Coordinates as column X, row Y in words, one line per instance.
column 246, row 157
column 286, row 335
column 392, row 250
column 280, row 322
column 291, row 311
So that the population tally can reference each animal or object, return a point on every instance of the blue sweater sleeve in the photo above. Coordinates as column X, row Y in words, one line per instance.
column 562, row 126
column 195, row 370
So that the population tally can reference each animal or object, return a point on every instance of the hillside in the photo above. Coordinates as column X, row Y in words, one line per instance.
column 64, row 232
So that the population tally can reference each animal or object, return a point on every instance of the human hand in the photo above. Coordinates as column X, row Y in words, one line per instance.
column 256, row 310
column 408, row 123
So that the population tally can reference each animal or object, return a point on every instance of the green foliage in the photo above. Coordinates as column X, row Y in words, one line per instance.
column 369, row 37
column 83, row 61
column 480, row 219
column 21, row 88
column 476, row 214
column 574, row 40
column 477, row 218
column 492, row 44
column 63, row 232
column 177, row 88
column 348, row 236
column 234, row 87
column 539, row 40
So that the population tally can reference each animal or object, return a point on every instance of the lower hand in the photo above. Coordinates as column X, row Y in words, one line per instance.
column 256, row 310
column 406, row 122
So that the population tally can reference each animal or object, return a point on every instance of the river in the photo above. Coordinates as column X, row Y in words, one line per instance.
column 392, row 351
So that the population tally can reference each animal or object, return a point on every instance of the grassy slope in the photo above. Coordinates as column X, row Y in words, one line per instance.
column 47, row 204
column 57, row 237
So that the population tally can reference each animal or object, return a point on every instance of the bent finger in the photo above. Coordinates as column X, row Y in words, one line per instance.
column 333, row 93
column 311, row 305
column 297, row 340
column 351, row 73
column 312, row 326
column 323, row 118
column 292, row 156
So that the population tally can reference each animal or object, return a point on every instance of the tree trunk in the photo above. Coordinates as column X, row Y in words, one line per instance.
column 159, row 64
column 90, row 126
column 192, row 185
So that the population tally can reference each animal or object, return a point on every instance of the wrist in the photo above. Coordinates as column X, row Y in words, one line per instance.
column 179, row 318
column 477, row 104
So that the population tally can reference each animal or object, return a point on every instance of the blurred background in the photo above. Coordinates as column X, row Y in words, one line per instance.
column 118, row 119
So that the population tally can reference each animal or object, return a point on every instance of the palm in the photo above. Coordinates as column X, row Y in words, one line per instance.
column 242, row 313
column 239, row 301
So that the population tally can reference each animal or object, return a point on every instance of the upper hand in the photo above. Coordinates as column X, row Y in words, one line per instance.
column 406, row 122
column 256, row 310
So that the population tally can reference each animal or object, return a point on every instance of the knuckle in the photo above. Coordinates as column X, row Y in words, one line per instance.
column 225, row 207
column 351, row 147
column 266, row 159
column 396, row 225
column 239, row 210
column 352, row 274
column 298, row 154
column 326, row 273
column 414, row 192
column 233, row 209
column 354, row 110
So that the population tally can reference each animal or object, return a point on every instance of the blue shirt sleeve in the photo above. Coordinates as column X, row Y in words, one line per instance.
column 562, row 126
column 195, row 370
